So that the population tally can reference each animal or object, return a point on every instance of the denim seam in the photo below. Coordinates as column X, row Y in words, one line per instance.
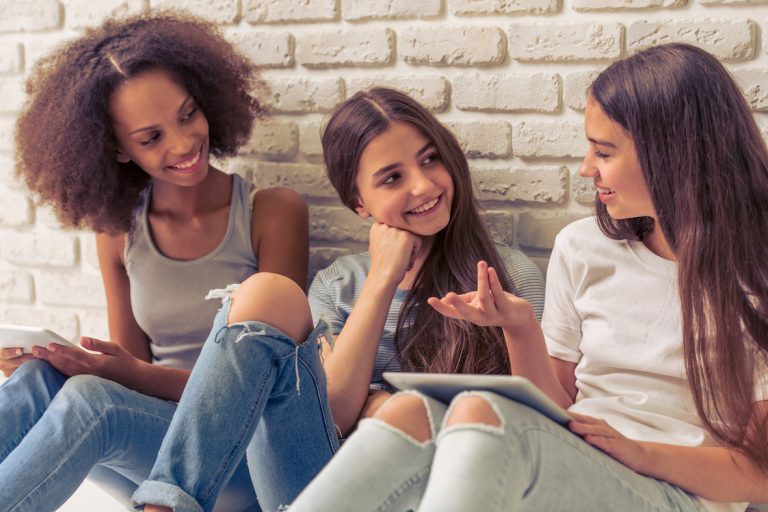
column 409, row 482
column 332, row 436
column 86, row 433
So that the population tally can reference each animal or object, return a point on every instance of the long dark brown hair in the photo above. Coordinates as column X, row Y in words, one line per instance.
column 706, row 166
column 426, row 341
column 65, row 146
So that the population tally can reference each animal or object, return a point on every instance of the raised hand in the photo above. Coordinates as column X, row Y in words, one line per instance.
column 108, row 360
column 601, row 435
column 392, row 252
column 489, row 305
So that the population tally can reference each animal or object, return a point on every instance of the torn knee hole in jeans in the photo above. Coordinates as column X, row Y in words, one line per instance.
column 497, row 427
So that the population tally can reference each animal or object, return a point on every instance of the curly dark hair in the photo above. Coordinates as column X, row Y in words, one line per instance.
column 65, row 145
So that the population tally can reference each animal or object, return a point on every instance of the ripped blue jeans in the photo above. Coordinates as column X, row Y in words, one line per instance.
column 253, row 391
column 528, row 463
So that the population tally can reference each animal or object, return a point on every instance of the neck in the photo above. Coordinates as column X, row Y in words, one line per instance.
column 190, row 201
column 658, row 244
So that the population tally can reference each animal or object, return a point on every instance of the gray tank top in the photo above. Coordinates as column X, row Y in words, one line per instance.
column 168, row 296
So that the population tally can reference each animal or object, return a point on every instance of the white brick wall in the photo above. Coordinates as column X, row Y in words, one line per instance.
column 508, row 76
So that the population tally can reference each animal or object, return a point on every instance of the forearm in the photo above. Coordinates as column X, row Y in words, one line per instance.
column 528, row 358
column 714, row 473
column 350, row 365
column 154, row 380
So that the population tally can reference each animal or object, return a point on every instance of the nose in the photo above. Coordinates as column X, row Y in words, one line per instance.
column 180, row 142
column 421, row 183
column 587, row 169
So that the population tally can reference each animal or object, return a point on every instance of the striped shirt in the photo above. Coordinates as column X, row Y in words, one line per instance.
column 334, row 291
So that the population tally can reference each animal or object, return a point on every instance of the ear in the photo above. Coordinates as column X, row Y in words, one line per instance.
column 121, row 157
column 361, row 209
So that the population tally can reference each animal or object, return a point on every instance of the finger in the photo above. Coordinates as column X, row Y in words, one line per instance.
column 466, row 311
column 10, row 353
column 482, row 280
column 443, row 308
column 495, row 283
column 106, row 347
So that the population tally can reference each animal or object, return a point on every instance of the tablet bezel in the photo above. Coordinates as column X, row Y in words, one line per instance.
column 26, row 337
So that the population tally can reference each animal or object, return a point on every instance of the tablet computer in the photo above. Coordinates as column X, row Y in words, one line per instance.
column 444, row 386
column 22, row 336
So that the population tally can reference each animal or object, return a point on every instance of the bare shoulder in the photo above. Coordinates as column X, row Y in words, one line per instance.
column 278, row 206
column 110, row 247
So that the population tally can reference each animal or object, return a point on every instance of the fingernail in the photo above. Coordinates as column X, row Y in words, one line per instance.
column 18, row 352
column 52, row 347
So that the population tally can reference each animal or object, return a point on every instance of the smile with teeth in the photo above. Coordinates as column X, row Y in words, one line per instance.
column 189, row 163
column 605, row 191
column 426, row 206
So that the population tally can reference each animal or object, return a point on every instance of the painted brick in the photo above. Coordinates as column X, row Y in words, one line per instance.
column 309, row 180
column 431, row 91
column 7, row 124
column 30, row 15
column 10, row 58
column 732, row 2
column 337, row 224
column 265, row 49
column 622, row 5
column 754, row 83
column 88, row 251
column 94, row 324
column 280, row 11
column 303, row 95
column 575, row 88
column 273, row 139
column 334, row 48
column 582, row 189
column 15, row 208
column 554, row 42
column 545, row 185
column 501, row 224
column 538, row 230
column 217, row 11
column 322, row 257
column 16, row 286
column 501, row 92
column 60, row 322
column 540, row 139
column 362, row 10
column 310, row 143
column 87, row 13
column 483, row 139
column 728, row 39
column 7, row 176
column 452, row 46
column 39, row 45
column 45, row 216
column 11, row 96
column 38, row 249
column 68, row 289
column 503, row 7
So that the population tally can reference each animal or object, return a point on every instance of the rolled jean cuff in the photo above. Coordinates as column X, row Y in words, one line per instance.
column 167, row 495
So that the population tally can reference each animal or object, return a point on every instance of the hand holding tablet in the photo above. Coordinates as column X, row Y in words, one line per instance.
column 20, row 336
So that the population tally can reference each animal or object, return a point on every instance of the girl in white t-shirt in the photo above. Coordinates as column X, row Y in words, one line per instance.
column 655, row 330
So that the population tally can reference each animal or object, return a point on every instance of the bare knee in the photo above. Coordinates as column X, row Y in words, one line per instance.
column 275, row 300
column 406, row 412
column 472, row 409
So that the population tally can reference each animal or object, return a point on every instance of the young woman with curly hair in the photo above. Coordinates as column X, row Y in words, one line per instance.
column 654, row 336
column 391, row 161
column 116, row 136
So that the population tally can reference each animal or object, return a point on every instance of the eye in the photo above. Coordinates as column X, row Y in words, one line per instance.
column 602, row 156
column 430, row 158
column 151, row 140
column 189, row 115
column 389, row 180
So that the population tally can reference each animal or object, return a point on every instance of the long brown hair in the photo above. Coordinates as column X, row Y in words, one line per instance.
column 426, row 341
column 706, row 166
column 65, row 146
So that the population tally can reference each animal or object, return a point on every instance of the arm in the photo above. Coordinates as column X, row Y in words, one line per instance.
column 280, row 233
column 127, row 360
column 714, row 473
column 350, row 365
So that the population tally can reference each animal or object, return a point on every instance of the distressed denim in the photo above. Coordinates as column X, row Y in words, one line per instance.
column 253, row 390
column 56, row 431
column 529, row 463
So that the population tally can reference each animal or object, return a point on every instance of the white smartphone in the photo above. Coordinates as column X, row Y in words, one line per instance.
column 22, row 336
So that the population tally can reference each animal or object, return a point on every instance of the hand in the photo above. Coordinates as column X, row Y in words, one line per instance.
column 110, row 361
column 11, row 359
column 392, row 251
column 601, row 435
column 490, row 305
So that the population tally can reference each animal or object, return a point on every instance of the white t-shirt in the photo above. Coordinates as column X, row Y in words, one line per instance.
column 612, row 307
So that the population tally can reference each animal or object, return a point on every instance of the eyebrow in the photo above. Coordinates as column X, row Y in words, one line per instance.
column 154, row 126
column 389, row 167
column 602, row 142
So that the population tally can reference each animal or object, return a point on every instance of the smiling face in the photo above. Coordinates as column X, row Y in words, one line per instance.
column 160, row 128
column 403, row 183
column 612, row 162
